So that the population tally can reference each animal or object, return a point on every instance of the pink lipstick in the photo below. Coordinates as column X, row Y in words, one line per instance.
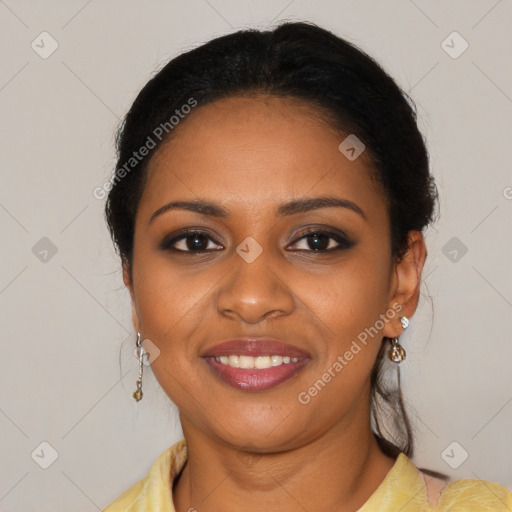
column 255, row 364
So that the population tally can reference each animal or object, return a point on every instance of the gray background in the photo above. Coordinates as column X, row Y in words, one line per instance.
column 67, row 370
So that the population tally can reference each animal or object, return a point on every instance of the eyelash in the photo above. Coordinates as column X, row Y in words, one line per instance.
column 343, row 241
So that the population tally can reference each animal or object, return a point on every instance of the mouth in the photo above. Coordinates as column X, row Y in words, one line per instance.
column 255, row 364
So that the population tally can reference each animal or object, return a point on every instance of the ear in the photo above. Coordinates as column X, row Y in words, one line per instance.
column 128, row 282
column 405, row 283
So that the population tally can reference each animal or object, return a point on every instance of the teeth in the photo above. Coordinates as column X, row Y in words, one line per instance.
column 276, row 360
column 262, row 362
column 259, row 363
column 233, row 361
column 246, row 362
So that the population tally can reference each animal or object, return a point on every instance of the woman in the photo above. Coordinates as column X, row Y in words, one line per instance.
column 268, row 207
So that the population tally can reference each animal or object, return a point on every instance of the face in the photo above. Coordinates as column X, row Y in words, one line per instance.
column 295, row 282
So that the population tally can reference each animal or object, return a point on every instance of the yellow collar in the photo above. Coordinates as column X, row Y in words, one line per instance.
column 403, row 489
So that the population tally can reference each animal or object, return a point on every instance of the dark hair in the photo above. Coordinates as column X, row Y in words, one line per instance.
column 349, row 90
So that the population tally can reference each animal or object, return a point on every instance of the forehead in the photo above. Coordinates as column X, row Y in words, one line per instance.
column 252, row 151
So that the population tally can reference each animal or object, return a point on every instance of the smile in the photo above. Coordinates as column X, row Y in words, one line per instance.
column 255, row 364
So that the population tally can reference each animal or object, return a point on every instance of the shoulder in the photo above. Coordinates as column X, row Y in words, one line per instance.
column 468, row 495
column 153, row 492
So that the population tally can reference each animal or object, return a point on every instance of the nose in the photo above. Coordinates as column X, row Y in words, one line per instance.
column 256, row 291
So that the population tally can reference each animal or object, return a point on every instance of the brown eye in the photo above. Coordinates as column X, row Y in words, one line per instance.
column 322, row 241
column 190, row 241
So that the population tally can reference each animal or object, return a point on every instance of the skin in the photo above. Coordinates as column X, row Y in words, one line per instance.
column 264, row 448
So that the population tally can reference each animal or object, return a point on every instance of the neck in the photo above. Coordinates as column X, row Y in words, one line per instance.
column 338, row 471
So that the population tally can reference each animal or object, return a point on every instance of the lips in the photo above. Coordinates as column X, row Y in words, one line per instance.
column 244, row 362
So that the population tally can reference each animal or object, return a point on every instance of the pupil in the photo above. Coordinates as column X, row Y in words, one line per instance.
column 196, row 242
column 319, row 242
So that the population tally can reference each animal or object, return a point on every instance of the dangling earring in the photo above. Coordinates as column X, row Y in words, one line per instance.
column 137, row 394
column 397, row 353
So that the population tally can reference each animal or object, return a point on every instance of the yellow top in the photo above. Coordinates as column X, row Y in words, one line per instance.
column 402, row 489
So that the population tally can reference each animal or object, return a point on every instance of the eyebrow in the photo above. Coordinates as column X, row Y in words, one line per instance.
column 293, row 207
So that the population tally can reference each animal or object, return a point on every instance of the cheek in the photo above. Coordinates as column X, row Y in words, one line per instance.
column 168, row 307
column 168, row 303
column 353, row 297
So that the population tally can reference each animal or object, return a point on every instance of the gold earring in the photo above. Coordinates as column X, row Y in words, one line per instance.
column 137, row 394
column 397, row 352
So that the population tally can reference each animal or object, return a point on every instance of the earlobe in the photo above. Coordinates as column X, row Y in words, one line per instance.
column 135, row 318
column 408, row 281
column 127, row 280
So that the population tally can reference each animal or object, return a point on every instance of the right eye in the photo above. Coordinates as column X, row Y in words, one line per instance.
column 189, row 241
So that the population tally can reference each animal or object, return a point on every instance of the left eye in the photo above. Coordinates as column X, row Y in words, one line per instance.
column 322, row 241
column 192, row 241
